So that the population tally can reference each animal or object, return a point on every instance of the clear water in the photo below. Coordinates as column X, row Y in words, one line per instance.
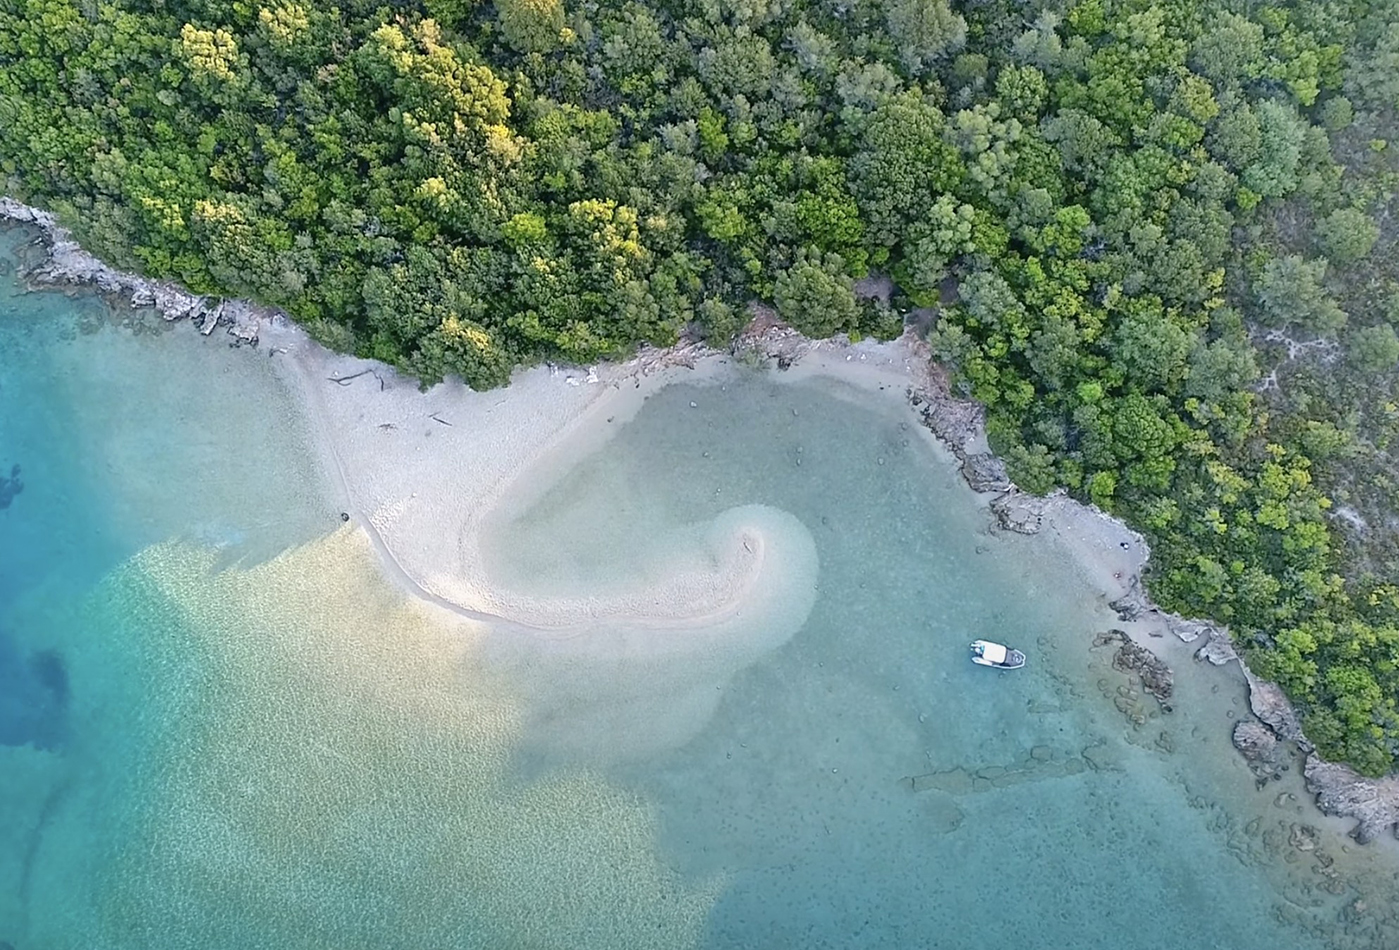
column 864, row 785
column 220, row 728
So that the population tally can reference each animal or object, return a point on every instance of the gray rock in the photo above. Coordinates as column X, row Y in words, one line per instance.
column 984, row 472
column 1019, row 512
column 1266, row 756
column 1133, row 604
column 1218, row 649
column 1132, row 657
column 1340, row 790
column 956, row 422
column 1271, row 705
column 1191, row 630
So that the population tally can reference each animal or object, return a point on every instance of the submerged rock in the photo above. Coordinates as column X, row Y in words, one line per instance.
column 1132, row 657
column 33, row 697
column 10, row 486
column 1342, row 791
column 943, row 814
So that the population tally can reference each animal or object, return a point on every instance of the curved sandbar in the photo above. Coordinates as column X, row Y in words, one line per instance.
column 645, row 668
column 752, row 559
column 429, row 473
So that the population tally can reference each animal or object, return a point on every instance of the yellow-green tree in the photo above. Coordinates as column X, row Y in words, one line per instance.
column 531, row 26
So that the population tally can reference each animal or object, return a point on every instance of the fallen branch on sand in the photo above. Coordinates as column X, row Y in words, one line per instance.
column 346, row 380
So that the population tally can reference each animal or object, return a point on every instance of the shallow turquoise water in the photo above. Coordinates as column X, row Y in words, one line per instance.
column 838, row 785
column 258, row 748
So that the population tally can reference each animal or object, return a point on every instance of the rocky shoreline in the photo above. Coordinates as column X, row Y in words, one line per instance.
column 959, row 424
column 66, row 264
column 1339, row 790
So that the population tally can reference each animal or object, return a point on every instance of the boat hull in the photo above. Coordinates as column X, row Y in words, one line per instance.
column 996, row 656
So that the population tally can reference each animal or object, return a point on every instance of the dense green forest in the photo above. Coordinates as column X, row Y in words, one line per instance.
column 1159, row 237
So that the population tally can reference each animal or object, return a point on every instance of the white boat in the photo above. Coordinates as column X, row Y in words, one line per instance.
column 994, row 654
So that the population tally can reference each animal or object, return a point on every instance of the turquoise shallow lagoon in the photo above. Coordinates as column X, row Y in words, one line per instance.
column 220, row 727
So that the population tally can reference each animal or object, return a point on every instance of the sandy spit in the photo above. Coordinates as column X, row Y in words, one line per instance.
column 424, row 471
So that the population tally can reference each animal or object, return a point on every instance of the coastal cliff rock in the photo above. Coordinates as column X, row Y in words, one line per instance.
column 1133, row 658
column 1340, row 790
column 984, row 472
column 1265, row 755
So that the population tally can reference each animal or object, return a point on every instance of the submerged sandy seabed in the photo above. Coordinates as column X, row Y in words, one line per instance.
column 439, row 478
column 338, row 772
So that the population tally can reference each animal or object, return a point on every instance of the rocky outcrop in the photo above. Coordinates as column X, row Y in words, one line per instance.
column 1255, row 740
column 768, row 338
column 1133, row 658
column 1134, row 604
column 1266, row 756
column 1340, row 790
column 68, row 264
column 985, row 473
column 1019, row 512
column 1217, row 649
column 1270, row 704
column 1191, row 630
column 956, row 422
